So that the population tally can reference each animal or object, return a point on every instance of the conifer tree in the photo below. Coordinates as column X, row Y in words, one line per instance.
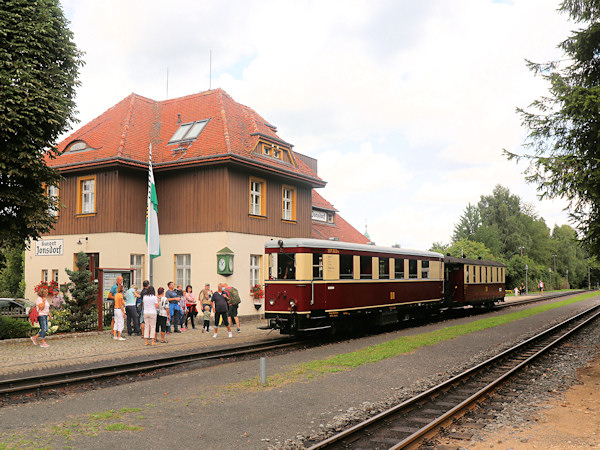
column 564, row 126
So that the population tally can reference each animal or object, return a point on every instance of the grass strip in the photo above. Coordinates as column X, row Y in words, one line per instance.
column 408, row 344
column 395, row 347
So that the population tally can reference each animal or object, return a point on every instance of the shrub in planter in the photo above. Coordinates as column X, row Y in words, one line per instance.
column 14, row 328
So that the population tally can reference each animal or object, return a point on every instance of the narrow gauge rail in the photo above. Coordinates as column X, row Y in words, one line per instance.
column 112, row 369
column 536, row 299
column 409, row 423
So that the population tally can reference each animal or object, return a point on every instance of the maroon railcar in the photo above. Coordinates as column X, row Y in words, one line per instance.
column 474, row 282
column 316, row 284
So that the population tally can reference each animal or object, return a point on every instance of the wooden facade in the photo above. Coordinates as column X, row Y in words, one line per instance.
column 190, row 200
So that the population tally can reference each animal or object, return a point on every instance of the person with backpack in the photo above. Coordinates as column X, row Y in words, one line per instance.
column 234, row 301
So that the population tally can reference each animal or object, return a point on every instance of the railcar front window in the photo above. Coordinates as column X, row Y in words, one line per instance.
column 412, row 268
column 366, row 267
column 286, row 266
column 346, row 267
column 317, row 266
column 384, row 268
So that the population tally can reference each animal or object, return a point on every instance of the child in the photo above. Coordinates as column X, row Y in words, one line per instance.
column 119, row 314
column 206, row 325
column 182, row 307
column 163, row 315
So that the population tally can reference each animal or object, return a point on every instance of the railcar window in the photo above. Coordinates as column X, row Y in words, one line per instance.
column 346, row 267
column 412, row 268
column 317, row 266
column 424, row 269
column 467, row 268
column 286, row 266
column 399, row 268
column 480, row 274
column 474, row 279
column 366, row 267
column 384, row 268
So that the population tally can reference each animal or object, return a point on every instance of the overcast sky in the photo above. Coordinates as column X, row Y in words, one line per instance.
column 406, row 104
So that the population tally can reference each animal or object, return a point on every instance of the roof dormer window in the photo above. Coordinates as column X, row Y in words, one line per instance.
column 77, row 146
column 188, row 132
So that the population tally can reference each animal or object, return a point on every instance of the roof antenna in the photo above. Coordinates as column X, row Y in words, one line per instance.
column 167, row 83
column 209, row 70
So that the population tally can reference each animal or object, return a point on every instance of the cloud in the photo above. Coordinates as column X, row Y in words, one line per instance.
column 407, row 105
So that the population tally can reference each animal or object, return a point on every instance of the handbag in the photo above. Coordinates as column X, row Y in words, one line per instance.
column 33, row 315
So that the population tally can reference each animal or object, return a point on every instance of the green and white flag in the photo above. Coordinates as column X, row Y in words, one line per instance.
column 152, row 237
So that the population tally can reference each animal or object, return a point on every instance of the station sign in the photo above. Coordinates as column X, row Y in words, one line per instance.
column 49, row 247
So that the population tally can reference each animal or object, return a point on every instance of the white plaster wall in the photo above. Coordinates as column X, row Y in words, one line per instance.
column 115, row 250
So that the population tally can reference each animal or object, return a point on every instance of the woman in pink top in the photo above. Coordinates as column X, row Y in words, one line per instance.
column 190, row 303
column 43, row 307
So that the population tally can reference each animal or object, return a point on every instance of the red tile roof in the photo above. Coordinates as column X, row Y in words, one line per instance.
column 340, row 229
column 319, row 202
column 123, row 133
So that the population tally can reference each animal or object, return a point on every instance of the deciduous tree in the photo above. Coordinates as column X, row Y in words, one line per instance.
column 39, row 65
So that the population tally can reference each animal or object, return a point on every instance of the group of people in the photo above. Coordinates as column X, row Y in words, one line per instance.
column 522, row 290
column 150, row 313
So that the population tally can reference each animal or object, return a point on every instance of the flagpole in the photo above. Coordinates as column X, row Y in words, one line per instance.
column 152, row 231
column 148, row 206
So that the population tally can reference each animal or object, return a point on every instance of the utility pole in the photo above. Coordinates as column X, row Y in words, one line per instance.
column 550, row 273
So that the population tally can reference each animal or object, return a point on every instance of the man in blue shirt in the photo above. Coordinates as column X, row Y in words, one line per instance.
column 131, row 311
column 173, row 306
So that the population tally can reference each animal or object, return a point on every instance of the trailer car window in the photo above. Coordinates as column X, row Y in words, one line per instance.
column 424, row 269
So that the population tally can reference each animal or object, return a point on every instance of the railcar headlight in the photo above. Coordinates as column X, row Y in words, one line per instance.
column 292, row 302
column 271, row 301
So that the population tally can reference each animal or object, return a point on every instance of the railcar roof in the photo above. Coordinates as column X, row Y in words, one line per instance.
column 474, row 262
column 321, row 243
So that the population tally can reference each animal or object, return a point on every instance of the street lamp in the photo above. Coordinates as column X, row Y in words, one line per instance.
column 550, row 274
column 526, row 284
column 567, row 278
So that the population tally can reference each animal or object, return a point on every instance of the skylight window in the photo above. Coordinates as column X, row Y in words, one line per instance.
column 188, row 132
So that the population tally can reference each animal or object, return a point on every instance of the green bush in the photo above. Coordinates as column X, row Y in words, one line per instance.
column 14, row 328
column 62, row 319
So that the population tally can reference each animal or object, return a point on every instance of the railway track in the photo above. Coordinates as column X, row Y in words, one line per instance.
column 102, row 370
column 408, row 424
column 112, row 369
column 536, row 299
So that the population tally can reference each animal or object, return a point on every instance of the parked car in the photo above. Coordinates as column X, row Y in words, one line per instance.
column 15, row 307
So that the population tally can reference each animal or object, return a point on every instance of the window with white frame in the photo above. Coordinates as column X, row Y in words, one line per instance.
column 257, row 204
column 255, row 270
column 86, row 201
column 55, row 275
column 288, row 198
column 183, row 269
column 137, row 262
column 52, row 194
column 45, row 275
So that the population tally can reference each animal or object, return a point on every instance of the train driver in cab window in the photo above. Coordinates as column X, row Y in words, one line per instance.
column 287, row 270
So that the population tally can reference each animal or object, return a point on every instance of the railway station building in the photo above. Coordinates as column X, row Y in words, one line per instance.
column 226, row 184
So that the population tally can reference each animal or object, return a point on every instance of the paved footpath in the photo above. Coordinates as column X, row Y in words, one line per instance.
column 20, row 356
